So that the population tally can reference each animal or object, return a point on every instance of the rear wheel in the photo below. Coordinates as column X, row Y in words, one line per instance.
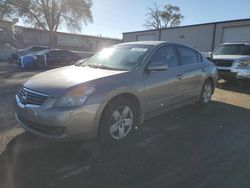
column 118, row 121
column 206, row 93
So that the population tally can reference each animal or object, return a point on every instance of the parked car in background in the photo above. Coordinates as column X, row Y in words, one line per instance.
column 114, row 91
column 28, row 50
column 233, row 60
column 48, row 58
column 55, row 58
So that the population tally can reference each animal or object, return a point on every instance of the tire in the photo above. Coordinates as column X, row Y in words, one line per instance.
column 118, row 122
column 206, row 93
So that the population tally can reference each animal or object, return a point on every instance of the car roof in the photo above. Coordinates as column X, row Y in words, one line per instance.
column 37, row 46
column 237, row 42
column 155, row 43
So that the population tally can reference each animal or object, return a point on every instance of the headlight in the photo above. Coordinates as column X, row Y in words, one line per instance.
column 75, row 98
column 244, row 63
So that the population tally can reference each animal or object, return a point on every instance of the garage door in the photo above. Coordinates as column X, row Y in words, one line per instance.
column 148, row 37
column 232, row 34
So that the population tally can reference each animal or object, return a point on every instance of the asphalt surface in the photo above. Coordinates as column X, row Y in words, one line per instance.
column 190, row 147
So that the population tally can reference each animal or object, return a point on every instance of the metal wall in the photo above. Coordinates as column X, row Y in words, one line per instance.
column 204, row 37
column 199, row 37
column 66, row 40
column 23, row 37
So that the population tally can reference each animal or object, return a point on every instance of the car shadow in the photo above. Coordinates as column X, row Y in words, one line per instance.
column 243, row 88
column 189, row 147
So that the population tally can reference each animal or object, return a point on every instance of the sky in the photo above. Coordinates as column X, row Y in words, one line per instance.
column 113, row 17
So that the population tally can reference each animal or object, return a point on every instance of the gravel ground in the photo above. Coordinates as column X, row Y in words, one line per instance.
column 189, row 147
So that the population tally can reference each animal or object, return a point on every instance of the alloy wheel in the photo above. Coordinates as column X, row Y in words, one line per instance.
column 121, row 122
column 207, row 93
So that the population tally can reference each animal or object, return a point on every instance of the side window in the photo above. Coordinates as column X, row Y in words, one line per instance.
column 200, row 58
column 188, row 56
column 33, row 49
column 58, row 53
column 63, row 53
column 166, row 54
column 51, row 53
column 37, row 48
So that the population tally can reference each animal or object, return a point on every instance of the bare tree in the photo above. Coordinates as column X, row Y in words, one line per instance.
column 154, row 17
column 169, row 16
column 49, row 14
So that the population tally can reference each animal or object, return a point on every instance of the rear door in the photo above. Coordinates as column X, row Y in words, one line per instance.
column 191, row 72
column 65, row 58
column 162, row 88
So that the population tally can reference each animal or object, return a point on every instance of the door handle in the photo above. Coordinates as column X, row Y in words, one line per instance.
column 204, row 70
column 179, row 77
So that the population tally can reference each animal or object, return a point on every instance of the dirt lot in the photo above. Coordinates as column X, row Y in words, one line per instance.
column 11, row 77
column 190, row 147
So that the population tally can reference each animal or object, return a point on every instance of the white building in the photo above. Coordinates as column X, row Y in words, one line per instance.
column 204, row 37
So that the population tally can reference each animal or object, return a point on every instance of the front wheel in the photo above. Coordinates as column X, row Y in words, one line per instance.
column 206, row 93
column 118, row 121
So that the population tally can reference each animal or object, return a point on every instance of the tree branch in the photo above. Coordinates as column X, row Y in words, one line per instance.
column 29, row 12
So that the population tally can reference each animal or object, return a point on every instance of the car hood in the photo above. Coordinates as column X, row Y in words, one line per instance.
column 56, row 82
column 230, row 57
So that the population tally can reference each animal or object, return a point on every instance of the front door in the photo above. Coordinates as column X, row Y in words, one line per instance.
column 162, row 88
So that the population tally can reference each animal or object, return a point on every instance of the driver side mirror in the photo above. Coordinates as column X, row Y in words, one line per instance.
column 157, row 66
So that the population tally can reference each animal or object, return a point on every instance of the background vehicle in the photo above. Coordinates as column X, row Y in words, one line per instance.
column 55, row 58
column 48, row 58
column 114, row 91
column 22, row 52
column 85, row 55
column 233, row 60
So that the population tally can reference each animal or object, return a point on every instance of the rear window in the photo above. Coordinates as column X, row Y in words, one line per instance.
column 199, row 56
column 188, row 55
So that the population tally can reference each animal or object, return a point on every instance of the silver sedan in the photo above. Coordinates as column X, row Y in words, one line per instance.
column 110, row 94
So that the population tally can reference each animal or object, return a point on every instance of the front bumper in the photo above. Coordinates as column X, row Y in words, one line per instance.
column 233, row 72
column 77, row 123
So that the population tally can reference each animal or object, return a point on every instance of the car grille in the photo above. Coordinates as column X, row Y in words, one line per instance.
column 27, row 96
column 223, row 63
column 222, row 71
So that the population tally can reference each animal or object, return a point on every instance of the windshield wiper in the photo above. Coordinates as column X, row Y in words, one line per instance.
column 101, row 66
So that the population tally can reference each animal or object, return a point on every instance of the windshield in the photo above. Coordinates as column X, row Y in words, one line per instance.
column 233, row 49
column 125, row 57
